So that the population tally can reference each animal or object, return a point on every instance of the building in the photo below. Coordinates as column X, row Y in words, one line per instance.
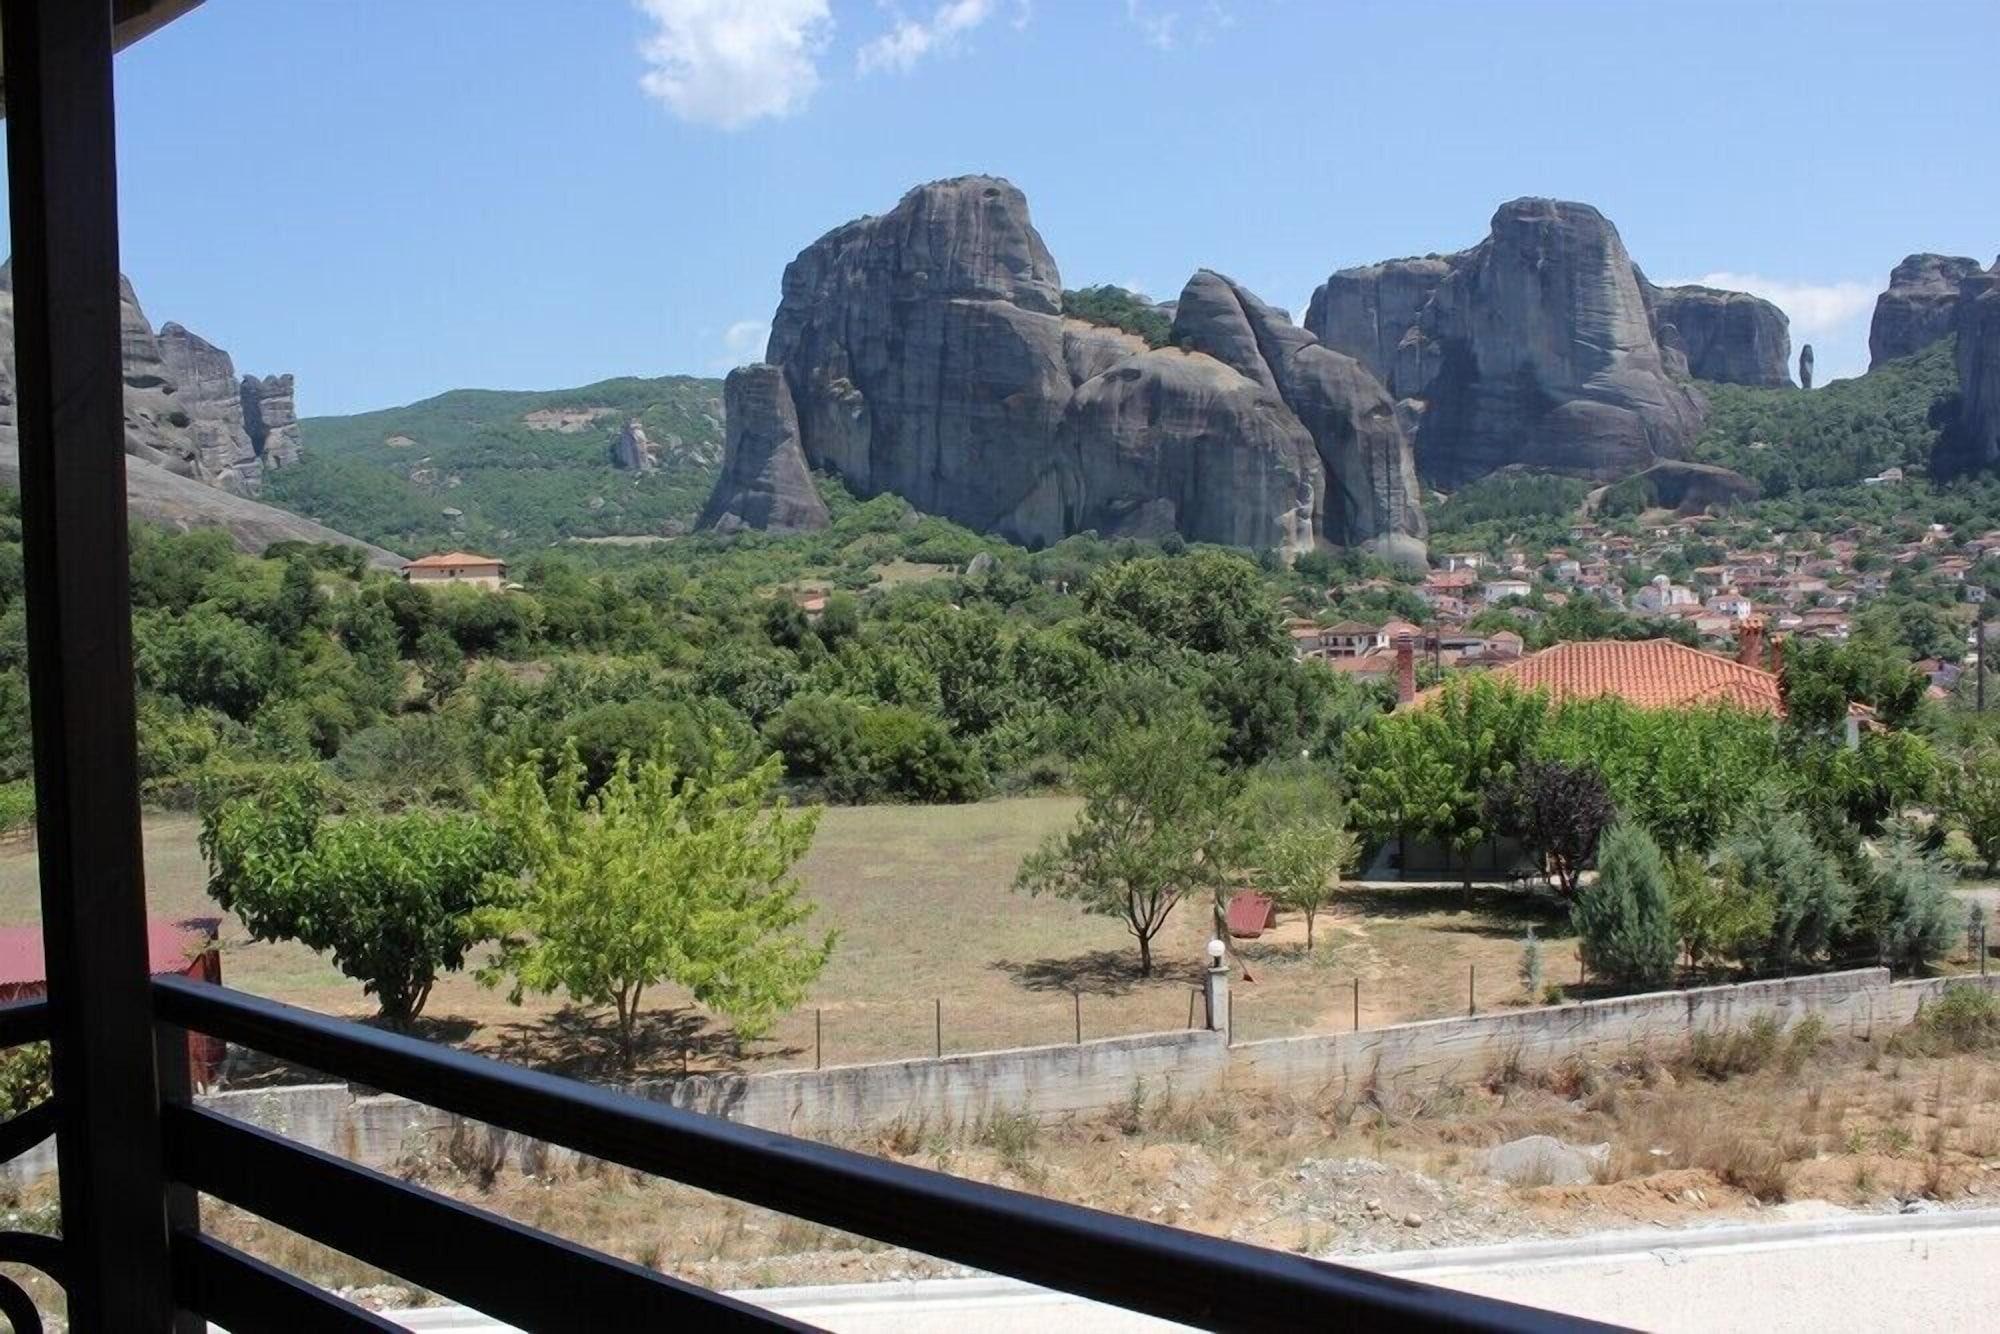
column 1497, row 591
column 458, row 567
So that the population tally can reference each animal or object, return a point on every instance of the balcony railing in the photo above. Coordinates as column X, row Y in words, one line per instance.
column 534, row 1280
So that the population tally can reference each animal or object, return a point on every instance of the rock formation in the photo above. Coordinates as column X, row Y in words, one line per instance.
column 925, row 353
column 1972, row 439
column 1691, row 488
column 1726, row 337
column 271, row 418
column 1534, row 348
column 1805, row 366
column 1918, row 307
column 632, row 451
column 765, row 482
column 196, row 439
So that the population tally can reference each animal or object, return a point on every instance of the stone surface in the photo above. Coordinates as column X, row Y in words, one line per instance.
column 1693, row 487
column 212, row 396
column 764, row 482
column 272, row 419
column 1726, row 337
column 1534, row 348
column 1917, row 309
column 1544, row 1160
column 632, row 451
column 1972, row 440
column 1806, row 367
column 926, row 355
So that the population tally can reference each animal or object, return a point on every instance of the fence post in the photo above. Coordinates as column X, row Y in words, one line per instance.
column 1357, row 1004
column 1471, row 998
column 1077, row 996
column 938, row 1001
column 816, row 1037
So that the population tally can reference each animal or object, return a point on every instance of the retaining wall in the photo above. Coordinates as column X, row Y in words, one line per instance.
column 378, row 1129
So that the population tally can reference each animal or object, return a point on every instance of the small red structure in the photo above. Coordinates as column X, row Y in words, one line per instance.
column 179, row 949
column 1251, row 914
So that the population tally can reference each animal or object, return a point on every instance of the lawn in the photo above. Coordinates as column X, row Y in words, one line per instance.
column 934, row 943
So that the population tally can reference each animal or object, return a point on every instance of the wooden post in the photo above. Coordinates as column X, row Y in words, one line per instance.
column 1077, row 996
column 816, row 1038
column 1471, row 994
column 1357, row 1004
column 938, row 1001
column 69, row 403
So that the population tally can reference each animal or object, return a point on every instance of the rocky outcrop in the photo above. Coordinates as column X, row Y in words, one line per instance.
column 1972, row 439
column 1806, row 367
column 925, row 353
column 632, row 451
column 188, row 423
column 1692, row 488
column 1535, row 348
column 272, row 419
column 1919, row 306
column 212, row 396
column 765, row 482
column 1725, row 337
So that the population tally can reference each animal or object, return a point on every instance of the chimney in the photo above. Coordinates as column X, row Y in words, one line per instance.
column 1777, row 655
column 1406, row 670
column 1750, row 642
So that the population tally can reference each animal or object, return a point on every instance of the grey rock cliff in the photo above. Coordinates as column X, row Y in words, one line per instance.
column 926, row 354
column 1371, row 313
column 764, row 481
column 272, row 419
column 1972, row 440
column 1535, row 348
column 1918, row 307
column 211, row 395
column 1726, row 337
column 1806, row 367
column 632, row 450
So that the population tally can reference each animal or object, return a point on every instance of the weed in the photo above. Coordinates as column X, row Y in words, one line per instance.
column 1965, row 1018
column 1895, row 1140
column 1808, row 1035
column 1731, row 1052
column 1130, row 1116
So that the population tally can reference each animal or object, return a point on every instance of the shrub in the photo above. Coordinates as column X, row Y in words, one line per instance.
column 1736, row 1051
column 1906, row 908
column 1624, row 920
column 1811, row 902
column 17, row 806
column 1531, row 965
column 1965, row 1018
column 24, row 1077
column 913, row 755
column 820, row 739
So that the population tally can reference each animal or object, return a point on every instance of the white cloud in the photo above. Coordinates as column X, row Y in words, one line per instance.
column 744, row 341
column 1160, row 29
column 728, row 63
column 910, row 40
column 1160, row 21
column 1814, row 308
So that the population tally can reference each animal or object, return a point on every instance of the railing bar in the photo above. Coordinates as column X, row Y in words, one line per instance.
column 24, row 1130
column 24, row 1021
column 502, row 1268
column 241, row 1292
column 1147, row 1267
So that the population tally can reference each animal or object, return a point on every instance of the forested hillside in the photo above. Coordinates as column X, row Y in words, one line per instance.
column 1787, row 440
column 510, row 471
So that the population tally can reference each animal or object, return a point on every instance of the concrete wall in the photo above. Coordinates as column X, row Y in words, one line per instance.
column 379, row 1130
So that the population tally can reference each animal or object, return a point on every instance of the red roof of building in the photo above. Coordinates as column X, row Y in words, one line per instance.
column 169, row 948
column 1647, row 673
column 451, row 560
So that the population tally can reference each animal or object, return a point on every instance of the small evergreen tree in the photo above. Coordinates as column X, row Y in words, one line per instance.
column 1531, row 965
column 1625, row 920
column 1774, row 856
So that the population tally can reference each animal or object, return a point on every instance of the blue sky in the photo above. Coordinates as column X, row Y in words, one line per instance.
column 396, row 197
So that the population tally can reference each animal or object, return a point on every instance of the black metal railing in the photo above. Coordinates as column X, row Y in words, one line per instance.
column 537, row 1281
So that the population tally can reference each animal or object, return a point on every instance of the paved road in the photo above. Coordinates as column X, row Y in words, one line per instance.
column 1936, row 1273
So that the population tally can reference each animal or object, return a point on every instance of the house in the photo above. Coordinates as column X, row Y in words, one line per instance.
column 1663, row 594
column 1497, row 591
column 1733, row 605
column 1350, row 639
column 457, row 567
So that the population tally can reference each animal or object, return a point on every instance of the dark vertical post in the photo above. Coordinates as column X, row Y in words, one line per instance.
column 1471, row 983
column 938, row 1001
column 69, row 388
column 171, row 1061
column 1357, row 1004
column 1979, row 630
column 816, row 1036
column 1077, row 996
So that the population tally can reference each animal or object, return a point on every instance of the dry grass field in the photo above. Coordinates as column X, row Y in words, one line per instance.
column 929, row 925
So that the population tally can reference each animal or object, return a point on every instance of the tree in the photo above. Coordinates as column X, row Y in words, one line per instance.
column 1773, row 855
column 297, row 606
column 1972, row 800
column 1299, row 843
column 441, row 663
column 1559, row 811
column 1151, row 831
column 395, row 900
column 659, row 876
column 206, row 659
column 1715, row 918
column 1207, row 602
column 1905, row 907
column 1624, row 920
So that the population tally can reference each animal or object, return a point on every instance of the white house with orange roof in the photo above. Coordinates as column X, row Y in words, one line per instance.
column 458, row 567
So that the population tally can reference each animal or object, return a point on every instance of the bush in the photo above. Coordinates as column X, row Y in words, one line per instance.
column 1736, row 1051
column 1625, row 920
column 17, row 806
column 1966, row 1018
column 912, row 755
column 24, row 1077
column 820, row 739
column 1811, row 902
column 1906, row 908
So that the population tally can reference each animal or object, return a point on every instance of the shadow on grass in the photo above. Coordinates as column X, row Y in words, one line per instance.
column 1492, row 911
column 583, row 1044
column 1097, row 973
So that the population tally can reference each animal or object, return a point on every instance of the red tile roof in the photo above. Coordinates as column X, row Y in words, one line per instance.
column 452, row 560
column 1647, row 673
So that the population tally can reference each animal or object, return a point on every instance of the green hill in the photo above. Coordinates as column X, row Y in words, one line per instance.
column 1788, row 440
column 506, row 470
